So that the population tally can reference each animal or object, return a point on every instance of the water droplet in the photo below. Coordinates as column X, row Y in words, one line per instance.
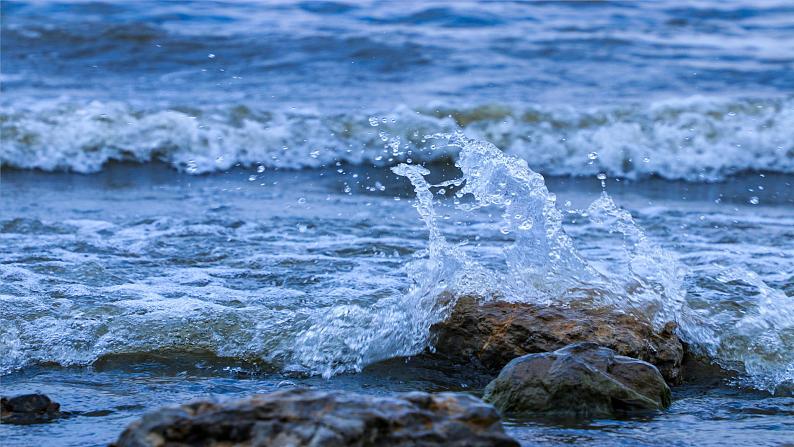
column 526, row 225
column 211, row 56
column 251, row 178
column 260, row 169
column 754, row 200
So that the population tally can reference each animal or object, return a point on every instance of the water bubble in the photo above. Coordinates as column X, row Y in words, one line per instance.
column 592, row 155
column 526, row 225
column 373, row 121
column 302, row 228
column 314, row 154
column 754, row 200
column 191, row 167
column 260, row 169
column 211, row 56
column 302, row 200
column 601, row 176
column 251, row 178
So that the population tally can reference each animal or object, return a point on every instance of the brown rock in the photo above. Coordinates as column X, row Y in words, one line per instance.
column 580, row 380
column 491, row 334
column 28, row 409
column 302, row 417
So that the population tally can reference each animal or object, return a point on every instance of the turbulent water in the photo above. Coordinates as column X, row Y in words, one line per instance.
column 204, row 198
column 694, row 92
column 696, row 138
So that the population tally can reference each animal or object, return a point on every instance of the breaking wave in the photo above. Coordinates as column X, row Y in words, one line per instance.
column 695, row 139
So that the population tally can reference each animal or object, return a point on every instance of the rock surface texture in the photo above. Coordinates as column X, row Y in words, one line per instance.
column 28, row 409
column 493, row 333
column 580, row 380
column 301, row 417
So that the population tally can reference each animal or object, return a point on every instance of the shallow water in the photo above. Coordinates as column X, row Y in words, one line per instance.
column 240, row 227
column 171, row 287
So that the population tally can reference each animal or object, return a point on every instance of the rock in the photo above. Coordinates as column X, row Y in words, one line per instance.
column 303, row 417
column 491, row 334
column 580, row 380
column 700, row 371
column 28, row 409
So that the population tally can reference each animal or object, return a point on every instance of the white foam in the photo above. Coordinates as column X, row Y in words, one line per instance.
column 694, row 138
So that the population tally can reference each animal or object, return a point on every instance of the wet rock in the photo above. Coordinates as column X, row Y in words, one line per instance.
column 28, row 409
column 302, row 417
column 699, row 370
column 491, row 334
column 580, row 380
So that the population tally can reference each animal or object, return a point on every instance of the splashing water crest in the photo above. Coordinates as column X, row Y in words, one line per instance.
column 542, row 266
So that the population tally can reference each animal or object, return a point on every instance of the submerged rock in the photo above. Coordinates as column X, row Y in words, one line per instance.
column 491, row 334
column 28, row 409
column 580, row 380
column 302, row 417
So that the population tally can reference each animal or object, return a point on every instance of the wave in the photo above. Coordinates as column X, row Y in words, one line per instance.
column 694, row 139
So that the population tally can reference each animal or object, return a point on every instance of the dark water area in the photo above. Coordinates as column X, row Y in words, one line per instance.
column 197, row 197
column 291, row 53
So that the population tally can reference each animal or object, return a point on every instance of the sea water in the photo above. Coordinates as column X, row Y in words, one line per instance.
column 211, row 200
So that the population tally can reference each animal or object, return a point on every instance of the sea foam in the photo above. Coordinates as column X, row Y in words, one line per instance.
column 695, row 139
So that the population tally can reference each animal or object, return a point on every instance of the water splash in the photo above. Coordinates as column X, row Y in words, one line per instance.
column 746, row 326
column 542, row 265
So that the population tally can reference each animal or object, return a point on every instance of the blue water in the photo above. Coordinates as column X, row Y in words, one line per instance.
column 196, row 197
column 340, row 55
column 696, row 91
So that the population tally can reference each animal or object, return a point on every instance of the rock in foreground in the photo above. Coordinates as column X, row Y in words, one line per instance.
column 491, row 334
column 28, row 409
column 580, row 380
column 301, row 417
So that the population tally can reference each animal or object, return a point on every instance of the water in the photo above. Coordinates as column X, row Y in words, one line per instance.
column 248, row 221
